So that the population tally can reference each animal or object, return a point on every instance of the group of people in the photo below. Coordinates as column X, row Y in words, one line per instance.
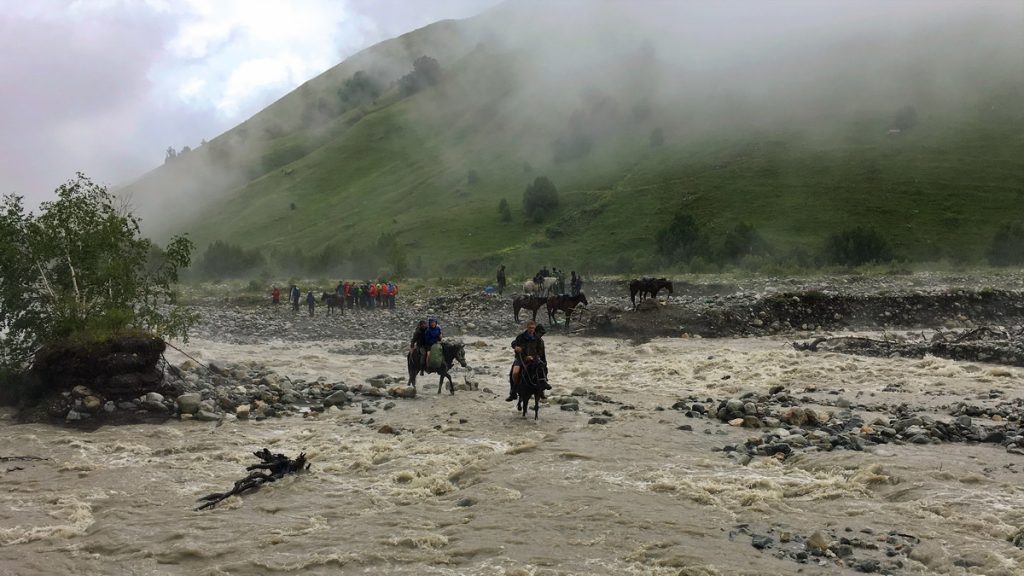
column 365, row 296
column 294, row 296
column 575, row 281
column 368, row 295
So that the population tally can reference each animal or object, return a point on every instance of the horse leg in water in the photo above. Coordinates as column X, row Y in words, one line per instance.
column 440, row 383
column 414, row 367
column 515, row 310
column 536, row 406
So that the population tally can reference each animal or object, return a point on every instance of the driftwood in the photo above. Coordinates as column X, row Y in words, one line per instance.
column 273, row 467
column 985, row 344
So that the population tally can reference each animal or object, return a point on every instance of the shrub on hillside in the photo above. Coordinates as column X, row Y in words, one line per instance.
column 224, row 260
column 539, row 198
column 1007, row 246
column 504, row 212
column 681, row 240
column 743, row 240
column 857, row 246
column 358, row 90
column 426, row 71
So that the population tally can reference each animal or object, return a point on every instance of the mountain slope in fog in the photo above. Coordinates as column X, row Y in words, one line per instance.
column 800, row 120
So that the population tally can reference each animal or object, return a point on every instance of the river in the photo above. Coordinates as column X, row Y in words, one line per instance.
column 468, row 487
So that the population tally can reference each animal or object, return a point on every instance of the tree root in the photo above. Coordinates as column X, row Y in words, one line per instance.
column 273, row 467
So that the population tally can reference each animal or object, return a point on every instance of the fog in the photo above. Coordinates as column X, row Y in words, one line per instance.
column 527, row 74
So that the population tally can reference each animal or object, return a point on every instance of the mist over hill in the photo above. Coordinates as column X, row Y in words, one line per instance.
column 668, row 129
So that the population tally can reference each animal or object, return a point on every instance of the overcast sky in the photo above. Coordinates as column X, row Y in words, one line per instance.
column 105, row 86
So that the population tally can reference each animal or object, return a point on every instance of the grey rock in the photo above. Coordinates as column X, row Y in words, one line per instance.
column 339, row 398
column 189, row 403
column 207, row 416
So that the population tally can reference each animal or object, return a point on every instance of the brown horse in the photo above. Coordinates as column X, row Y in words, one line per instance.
column 647, row 287
column 532, row 303
column 333, row 300
column 564, row 304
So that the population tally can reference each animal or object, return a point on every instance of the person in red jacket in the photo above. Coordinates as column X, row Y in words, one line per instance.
column 275, row 295
column 373, row 294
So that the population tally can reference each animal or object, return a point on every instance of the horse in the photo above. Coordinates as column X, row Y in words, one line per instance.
column 565, row 304
column 542, row 289
column 451, row 353
column 528, row 302
column 531, row 383
column 647, row 286
column 333, row 301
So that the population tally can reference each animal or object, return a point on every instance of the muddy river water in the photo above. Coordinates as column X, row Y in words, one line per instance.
column 466, row 486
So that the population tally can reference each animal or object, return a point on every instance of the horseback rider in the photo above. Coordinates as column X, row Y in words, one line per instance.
column 430, row 337
column 418, row 345
column 529, row 349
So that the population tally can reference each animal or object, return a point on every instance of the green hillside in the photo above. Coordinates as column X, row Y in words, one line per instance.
column 627, row 150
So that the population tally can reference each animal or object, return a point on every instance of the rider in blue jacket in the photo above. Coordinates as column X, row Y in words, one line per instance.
column 431, row 336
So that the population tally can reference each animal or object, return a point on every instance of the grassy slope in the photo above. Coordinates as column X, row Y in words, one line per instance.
column 939, row 190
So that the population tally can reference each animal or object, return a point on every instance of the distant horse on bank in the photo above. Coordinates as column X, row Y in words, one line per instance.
column 544, row 288
column 528, row 302
column 647, row 287
column 564, row 304
column 451, row 353
column 333, row 300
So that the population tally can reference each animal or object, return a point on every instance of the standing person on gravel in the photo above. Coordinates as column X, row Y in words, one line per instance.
column 392, row 292
column 294, row 296
column 501, row 279
column 310, row 302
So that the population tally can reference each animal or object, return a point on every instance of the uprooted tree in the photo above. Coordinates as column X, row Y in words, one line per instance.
column 81, row 269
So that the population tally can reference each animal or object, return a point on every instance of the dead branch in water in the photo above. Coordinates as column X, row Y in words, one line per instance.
column 274, row 467
column 984, row 344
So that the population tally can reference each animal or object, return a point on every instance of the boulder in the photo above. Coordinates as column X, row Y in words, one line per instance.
column 402, row 391
column 189, row 403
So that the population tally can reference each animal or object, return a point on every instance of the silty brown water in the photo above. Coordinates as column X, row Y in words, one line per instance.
column 467, row 487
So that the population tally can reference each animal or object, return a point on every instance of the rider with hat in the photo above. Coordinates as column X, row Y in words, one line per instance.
column 529, row 349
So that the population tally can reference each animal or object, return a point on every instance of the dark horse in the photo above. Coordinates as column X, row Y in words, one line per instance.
column 333, row 301
column 565, row 304
column 528, row 302
column 451, row 352
column 647, row 287
column 531, row 383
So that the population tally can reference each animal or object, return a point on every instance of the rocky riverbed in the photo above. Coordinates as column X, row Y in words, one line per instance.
column 653, row 455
